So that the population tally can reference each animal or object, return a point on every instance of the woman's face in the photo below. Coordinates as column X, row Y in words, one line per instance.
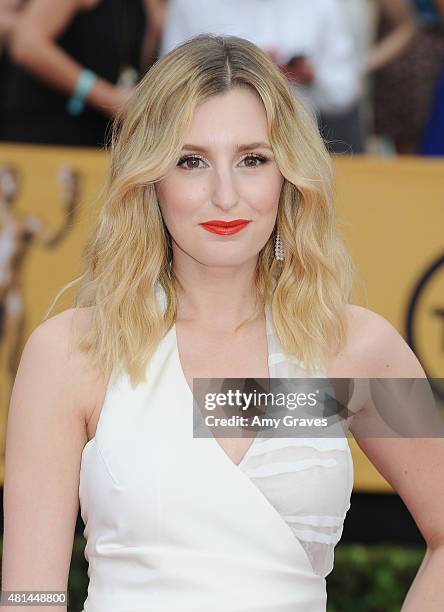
column 226, row 172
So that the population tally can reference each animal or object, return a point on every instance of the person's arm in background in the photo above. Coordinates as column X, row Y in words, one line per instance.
column 33, row 45
column 440, row 7
column 394, row 44
column 155, row 11
column 8, row 16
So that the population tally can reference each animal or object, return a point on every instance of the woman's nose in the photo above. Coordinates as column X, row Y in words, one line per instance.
column 225, row 193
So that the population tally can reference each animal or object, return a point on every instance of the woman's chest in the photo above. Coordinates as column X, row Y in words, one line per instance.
column 215, row 355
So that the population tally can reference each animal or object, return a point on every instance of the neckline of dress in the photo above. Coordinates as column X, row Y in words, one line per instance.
column 185, row 385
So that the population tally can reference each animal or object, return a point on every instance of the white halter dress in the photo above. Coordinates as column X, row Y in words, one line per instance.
column 172, row 524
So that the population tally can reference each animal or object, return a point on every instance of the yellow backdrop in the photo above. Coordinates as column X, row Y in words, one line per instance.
column 391, row 213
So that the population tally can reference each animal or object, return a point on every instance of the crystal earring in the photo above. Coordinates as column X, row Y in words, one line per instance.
column 278, row 247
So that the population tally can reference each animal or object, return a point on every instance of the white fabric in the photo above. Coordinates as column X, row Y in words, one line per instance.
column 316, row 29
column 172, row 524
column 361, row 22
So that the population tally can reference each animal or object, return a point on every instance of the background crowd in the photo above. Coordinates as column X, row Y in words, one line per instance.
column 371, row 70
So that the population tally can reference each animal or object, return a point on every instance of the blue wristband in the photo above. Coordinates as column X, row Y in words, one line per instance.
column 84, row 84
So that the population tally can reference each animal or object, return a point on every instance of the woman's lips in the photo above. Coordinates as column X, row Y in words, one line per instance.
column 225, row 228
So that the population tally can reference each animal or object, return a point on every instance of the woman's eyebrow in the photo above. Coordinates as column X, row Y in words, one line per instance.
column 238, row 148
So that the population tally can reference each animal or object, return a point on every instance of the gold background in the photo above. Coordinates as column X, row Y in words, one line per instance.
column 391, row 212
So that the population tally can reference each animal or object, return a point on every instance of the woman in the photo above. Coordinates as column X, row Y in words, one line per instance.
column 212, row 134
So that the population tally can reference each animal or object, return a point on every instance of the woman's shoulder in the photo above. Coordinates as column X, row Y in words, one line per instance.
column 59, row 334
column 374, row 348
column 62, row 326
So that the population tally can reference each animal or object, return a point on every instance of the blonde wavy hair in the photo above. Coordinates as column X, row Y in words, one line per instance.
column 129, row 251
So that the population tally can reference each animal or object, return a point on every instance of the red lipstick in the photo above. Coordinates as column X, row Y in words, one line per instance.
column 225, row 228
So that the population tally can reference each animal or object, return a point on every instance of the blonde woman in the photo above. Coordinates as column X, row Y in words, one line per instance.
column 102, row 407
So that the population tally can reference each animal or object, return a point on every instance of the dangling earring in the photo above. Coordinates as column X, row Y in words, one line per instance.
column 278, row 247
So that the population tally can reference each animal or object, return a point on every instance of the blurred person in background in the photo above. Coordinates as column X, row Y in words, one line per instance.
column 70, row 67
column 404, row 90
column 433, row 137
column 372, row 55
column 400, row 34
column 308, row 40
column 324, row 47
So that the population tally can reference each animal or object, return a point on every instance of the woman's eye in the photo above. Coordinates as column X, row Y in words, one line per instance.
column 189, row 158
column 255, row 158
column 191, row 162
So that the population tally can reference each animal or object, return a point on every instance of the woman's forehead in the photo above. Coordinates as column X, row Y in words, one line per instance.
column 237, row 117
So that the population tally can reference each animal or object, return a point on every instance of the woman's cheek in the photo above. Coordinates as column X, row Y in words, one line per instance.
column 265, row 193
